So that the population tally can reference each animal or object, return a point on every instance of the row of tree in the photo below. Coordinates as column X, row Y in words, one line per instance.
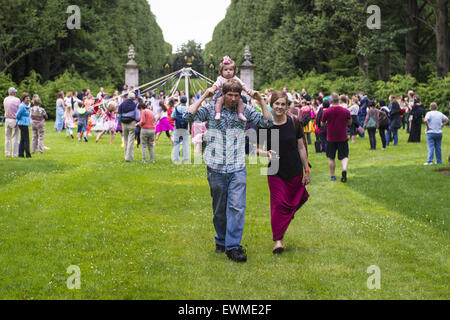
column 289, row 38
column 40, row 35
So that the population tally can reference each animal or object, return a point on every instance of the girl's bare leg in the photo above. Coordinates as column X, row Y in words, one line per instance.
column 99, row 135
column 240, row 110
column 218, row 107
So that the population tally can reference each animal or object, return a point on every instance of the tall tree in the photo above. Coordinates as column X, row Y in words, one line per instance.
column 34, row 35
column 26, row 27
column 441, row 31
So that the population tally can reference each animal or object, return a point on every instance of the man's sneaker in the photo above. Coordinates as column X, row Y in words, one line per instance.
column 333, row 178
column 344, row 176
column 85, row 139
column 428, row 163
column 237, row 255
column 220, row 248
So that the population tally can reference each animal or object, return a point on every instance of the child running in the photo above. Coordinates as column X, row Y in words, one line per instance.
column 68, row 121
column 163, row 123
column 228, row 70
column 110, row 122
column 82, row 114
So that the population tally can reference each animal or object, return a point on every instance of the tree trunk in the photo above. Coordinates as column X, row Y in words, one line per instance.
column 442, row 41
column 385, row 67
column 363, row 66
column 412, row 40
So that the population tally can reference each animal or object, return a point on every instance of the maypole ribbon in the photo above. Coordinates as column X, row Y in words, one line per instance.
column 176, row 86
column 142, row 86
column 161, row 83
column 203, row 77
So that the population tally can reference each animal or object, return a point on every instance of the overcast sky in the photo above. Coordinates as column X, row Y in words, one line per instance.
column 184, row 20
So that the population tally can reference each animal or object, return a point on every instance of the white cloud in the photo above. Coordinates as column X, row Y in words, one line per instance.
column 184, row 20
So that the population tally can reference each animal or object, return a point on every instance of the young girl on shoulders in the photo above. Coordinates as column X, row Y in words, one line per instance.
column 228, row 70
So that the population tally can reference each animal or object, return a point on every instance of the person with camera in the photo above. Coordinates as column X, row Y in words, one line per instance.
column 287, row 185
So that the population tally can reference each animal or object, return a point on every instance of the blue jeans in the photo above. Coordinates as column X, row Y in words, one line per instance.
column 228, row 192
column 388, row 135
column 177, row 133
column 434, row 145
column 361, row 118
column 323, row 141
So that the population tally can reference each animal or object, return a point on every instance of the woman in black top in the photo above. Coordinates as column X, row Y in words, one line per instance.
column 288, row 156
column 417, row 112
column 384, row 122
column 395, row 120
column 322, row 129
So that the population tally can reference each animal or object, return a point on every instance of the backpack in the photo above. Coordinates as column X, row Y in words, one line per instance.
column 372, row 123
column 180, row 123
column 384, row 122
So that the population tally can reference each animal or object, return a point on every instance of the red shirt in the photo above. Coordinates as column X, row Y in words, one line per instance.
column 169, row 116
column 336, row 118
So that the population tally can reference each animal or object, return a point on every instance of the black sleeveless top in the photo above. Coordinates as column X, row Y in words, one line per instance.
column 290, row 163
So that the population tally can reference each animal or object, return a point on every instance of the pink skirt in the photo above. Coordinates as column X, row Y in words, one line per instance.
column 110, row 125
column 163, row 125
column 286, row 197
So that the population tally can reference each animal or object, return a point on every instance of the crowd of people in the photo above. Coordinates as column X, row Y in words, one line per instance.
column 292, row 117
column 404, row 112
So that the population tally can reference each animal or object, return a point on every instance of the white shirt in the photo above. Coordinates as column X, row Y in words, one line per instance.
column 156, row 108
column 435, row 119
column 354, row 109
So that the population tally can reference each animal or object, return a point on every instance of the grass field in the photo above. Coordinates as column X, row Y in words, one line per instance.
column 145, row 231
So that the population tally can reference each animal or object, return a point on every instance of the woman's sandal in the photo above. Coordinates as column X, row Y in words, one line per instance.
column 278, row 250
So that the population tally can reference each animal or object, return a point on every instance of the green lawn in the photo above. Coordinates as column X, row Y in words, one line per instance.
column 145, row 231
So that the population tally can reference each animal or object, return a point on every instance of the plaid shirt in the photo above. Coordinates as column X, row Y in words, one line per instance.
column 225, row 151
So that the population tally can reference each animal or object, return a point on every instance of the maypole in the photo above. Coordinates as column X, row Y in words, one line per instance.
column 186, row 72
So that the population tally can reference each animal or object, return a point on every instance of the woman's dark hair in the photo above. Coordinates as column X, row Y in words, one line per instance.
column 326, row 104
column 319, row 98
column 395, row 107
column 382, row 103
column 163, row 106
column 371, row 103
column 141, row 105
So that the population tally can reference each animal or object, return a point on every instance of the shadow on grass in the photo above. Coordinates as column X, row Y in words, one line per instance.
column 415, row 191
column 12, row 169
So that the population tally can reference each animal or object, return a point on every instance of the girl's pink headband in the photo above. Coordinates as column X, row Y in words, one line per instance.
column 226, row 60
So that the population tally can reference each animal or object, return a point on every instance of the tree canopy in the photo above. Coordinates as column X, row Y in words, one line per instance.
column 289, row 38
column 34, row 36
